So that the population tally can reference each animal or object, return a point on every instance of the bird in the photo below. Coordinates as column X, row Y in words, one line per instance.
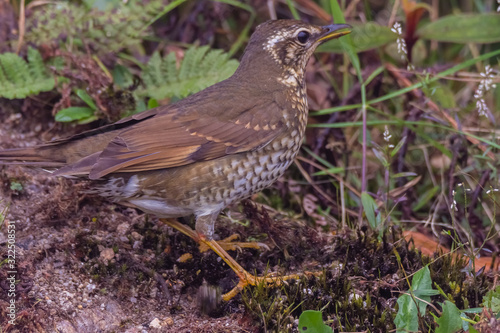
column 200, row 154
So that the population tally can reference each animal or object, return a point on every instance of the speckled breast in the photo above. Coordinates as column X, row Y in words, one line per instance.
column 259, row 169
column 238, row 176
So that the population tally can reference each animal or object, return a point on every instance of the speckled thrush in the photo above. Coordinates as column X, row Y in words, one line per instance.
column 200, row 154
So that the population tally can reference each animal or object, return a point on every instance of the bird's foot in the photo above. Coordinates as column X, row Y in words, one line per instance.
column 229, row 244
column 220, row 247
column 268, row 280
column 245, row 277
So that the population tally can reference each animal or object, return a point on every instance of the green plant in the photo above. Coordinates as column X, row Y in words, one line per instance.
column 311, row 322
column 413, row 306
column 413, row 303
column 200, row 68
column 16, row 186
column 19, row 79
column 492, row 300
column 81, row 114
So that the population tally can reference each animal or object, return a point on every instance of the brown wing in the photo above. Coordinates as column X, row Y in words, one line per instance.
column 196, row 129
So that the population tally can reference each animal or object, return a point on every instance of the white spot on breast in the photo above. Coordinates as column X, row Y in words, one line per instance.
column 275, row 157
column 247, row 164
column 239, row 182
column 289, row 81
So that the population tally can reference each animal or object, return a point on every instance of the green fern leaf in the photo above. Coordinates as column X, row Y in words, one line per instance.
column 192, row 58
column 15, row 68
column 169, row 65
column 200, row 68
column 19, row 79
column 35, row 64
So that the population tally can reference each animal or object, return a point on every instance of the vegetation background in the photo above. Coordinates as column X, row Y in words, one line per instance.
column 403, row 142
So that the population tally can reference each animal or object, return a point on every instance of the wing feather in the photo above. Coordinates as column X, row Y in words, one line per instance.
column 182, row 134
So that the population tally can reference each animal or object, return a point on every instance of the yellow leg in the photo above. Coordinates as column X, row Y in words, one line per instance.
column 229, row 244
column 245, row 277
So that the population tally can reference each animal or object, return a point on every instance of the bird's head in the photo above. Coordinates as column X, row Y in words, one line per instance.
column 286, row 46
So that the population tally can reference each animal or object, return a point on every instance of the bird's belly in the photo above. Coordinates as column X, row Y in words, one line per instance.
column 203, row 187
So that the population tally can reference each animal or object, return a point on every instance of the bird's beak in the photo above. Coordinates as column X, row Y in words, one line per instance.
column 334, row 31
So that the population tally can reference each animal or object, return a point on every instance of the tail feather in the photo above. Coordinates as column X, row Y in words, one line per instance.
column 34, row 156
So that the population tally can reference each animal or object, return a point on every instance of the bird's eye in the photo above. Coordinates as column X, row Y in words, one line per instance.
column 303, row 36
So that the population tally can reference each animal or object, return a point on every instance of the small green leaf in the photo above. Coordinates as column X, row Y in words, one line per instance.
column 407, row 317
column 398, row 146
column 365, row 36
column 466, row 28
column 472, row 330
column 86, row 98
column 16, row 186
column 87, row 120
column 369, row 207
column 74, row 113
column 312, row 322
column 152, row 103
column 122, row 76
column 450, row 320
column 422, row 281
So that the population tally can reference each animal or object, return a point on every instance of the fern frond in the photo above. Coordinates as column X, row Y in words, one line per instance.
column 200, row 68
column 19, row 79
column 169, row 65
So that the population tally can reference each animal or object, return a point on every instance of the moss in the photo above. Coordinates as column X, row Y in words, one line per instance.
column 360, row 284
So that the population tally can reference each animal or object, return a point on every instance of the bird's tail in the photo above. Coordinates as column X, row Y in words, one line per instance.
column 32, row 156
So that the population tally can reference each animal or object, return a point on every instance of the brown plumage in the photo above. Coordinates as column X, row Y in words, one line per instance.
column 204, row 152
